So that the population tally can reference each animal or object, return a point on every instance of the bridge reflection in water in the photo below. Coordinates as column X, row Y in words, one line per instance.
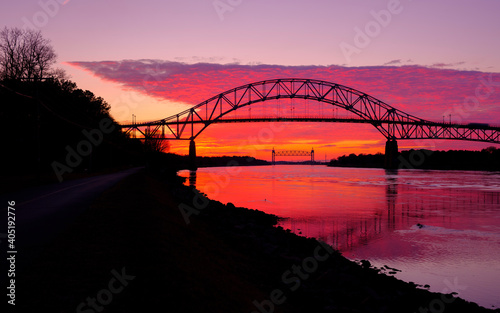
column 374, row 214
column 347, row 232
column 352, row 208
column 192, row 178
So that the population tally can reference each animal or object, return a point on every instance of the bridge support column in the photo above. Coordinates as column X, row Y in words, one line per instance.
column 391, row 154
column 192, row 155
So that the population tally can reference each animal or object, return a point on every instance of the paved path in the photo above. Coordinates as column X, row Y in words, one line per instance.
column 43, row 211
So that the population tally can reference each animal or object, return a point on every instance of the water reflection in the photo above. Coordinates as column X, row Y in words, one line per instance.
column 192, row 178
column 350, row 207
column 358, row 230
column 373, row 214
column 391, row 192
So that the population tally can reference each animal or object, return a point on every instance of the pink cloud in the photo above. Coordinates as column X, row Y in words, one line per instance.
column 422, row 91
column 426, row 92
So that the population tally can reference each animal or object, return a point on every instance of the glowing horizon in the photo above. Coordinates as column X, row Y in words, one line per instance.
column 428, row 93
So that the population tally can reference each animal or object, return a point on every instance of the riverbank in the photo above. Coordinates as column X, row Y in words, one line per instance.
column 463, row 160
column 176, row 250
column 13, row 182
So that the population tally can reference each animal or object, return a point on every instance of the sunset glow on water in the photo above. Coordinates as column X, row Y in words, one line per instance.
column 440, row 228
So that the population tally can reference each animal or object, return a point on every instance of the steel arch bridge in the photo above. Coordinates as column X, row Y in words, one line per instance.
column 392, row 123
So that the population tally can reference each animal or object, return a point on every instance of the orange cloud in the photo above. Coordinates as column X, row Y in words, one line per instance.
column 429, row 93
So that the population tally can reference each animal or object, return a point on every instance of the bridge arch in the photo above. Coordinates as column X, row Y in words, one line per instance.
column 214, row 109
column 392, row 123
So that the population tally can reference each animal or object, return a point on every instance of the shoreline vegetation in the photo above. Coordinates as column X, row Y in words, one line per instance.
column 485, row 160
column 66, row 133
column 186, row 253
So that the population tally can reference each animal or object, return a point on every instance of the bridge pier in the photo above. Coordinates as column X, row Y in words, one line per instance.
column 391, row 154
column 192, row 155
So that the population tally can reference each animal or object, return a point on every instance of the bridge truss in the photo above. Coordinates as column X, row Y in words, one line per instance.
column 390, row 122
column 288, row 153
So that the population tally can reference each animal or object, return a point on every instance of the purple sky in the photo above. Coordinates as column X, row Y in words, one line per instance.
column 273, row 32
column 380, row 36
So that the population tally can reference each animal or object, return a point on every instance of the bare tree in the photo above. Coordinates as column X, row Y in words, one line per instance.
column 11, row 52
column 156, row 144
column 25, row 54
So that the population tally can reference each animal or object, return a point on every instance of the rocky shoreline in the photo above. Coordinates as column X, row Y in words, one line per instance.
column 323, row 283
column 187, row 253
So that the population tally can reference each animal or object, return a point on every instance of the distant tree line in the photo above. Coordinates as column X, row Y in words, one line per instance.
column 54, row 121
column 361, row 160
column 487, row 159
column 230, row 161
column 175, row 162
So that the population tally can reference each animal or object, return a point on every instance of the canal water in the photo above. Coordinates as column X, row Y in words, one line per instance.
column 437, row 228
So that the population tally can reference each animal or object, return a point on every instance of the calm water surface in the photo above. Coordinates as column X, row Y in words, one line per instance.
column 440, row 228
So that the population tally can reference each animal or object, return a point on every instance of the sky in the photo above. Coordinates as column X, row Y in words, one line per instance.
column 153, row 59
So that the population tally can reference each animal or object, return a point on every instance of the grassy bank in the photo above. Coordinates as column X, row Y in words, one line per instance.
column 212, row 258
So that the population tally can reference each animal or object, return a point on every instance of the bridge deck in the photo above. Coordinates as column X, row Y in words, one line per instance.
column 312, row 120
column 364, row 109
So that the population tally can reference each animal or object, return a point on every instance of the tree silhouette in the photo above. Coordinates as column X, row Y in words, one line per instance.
column 25, row 54
column 156, row 144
